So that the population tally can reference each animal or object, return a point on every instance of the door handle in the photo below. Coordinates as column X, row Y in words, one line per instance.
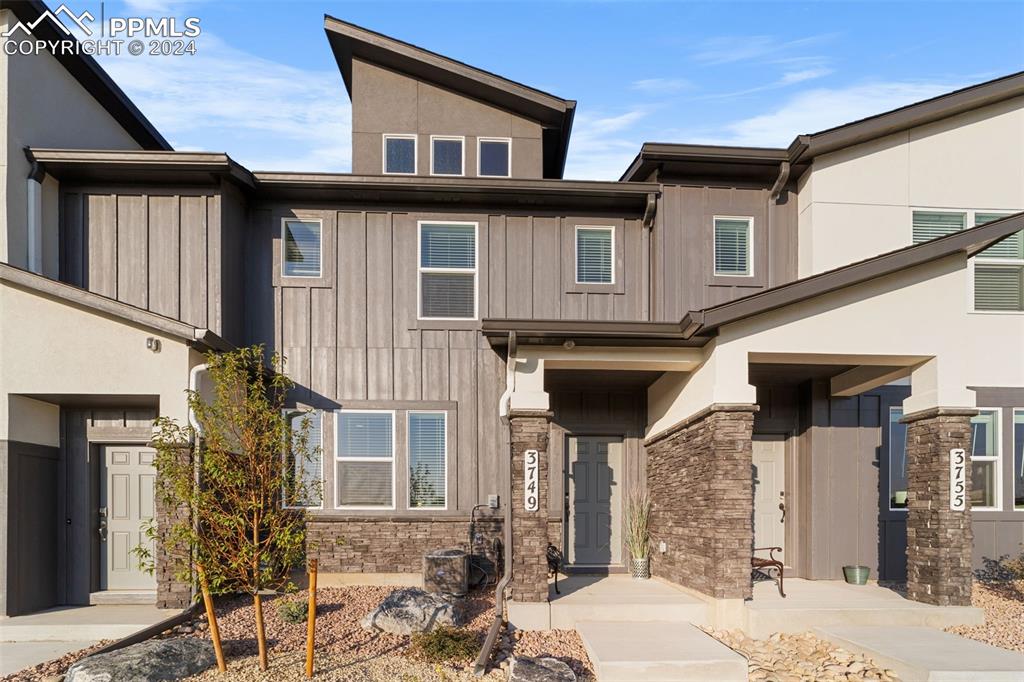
column 782, row 508
column 103, row 524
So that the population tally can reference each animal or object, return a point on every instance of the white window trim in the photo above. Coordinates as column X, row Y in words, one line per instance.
column 1013, row 451
column 576, row 250
column 384, row 152
column 462, row 171
column 292, row 411
column 408, row 461
column 998, row 459
column 338, row 458
column 462, row 271
column 750, row 246
column 506, row 140
column 320, row 248
column 889, row 482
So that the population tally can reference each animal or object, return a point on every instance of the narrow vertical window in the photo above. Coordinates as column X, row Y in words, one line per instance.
column 1018, row 459
column 999, row 271
column 595, row 247
column 447, row 156
column 400, row 154
column 301, row 248
column 448, row 270
column 428, row 460
column 985, row 455
column 304, row 459
column 494, row 157
column 365, row 454
column 732, row 246
column 897, row 460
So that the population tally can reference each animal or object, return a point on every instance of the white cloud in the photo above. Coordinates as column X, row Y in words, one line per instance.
column 661, row 86
column 732, row 49
column 602, row 146
column 803, row 75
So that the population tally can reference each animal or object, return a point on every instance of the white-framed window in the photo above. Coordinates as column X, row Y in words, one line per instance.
column 304, row 460
column 447, row 155
column 364, row 461
column 1018, row 459
column 447, row 270
column 595, row 254
column 732, row 244
column 301, row 246
column 399, row 154
column 428, row 459
column 494, row 157
column 986, row 451
column 997, row 273
column 897, row 460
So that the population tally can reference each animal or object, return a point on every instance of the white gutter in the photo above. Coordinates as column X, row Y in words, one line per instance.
column 193, row 386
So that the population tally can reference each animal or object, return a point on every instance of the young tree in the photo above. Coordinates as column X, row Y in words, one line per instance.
column 235, row 486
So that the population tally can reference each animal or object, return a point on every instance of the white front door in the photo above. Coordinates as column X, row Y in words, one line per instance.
column 770, row 494
column 127, row 503
column 595, row 501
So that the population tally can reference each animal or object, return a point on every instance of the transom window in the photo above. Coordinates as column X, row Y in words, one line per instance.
column 595, row 247
column 301, row 248
column 304, row 459
column 985, row 460
column 400, row 154
column 494, row 156
column 733, row 237
column 428, row 460
column 365, row 459
column 447, row 271
column 447, row 155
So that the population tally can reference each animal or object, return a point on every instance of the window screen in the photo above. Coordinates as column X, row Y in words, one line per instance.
column 594, row 255
column 732, row 246
column 998, row 287
column 399, row 155
column 305, row 460
column 446, row 157
column 930, row 225
column 447, row 271
column 494, row 157
column 427, row 455
column 366, row 459
column 301, row 248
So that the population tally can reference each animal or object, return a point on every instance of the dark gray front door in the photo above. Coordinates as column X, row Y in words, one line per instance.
column 595, row 500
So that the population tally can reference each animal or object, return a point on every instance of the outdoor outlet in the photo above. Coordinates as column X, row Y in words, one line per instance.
column 492, row 501
column 662, row 547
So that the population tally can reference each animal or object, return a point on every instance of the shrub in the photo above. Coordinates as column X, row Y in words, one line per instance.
column 293, row 610
column 444, row 644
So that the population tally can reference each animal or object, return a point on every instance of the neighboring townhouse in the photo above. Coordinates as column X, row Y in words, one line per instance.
column 781, row 346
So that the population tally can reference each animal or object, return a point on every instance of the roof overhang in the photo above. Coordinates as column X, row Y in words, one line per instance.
column 157, row 167
column 757, row 164
column 585, row 333
column 555, row 114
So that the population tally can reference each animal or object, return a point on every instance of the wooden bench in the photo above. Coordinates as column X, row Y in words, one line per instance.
column 765, row 565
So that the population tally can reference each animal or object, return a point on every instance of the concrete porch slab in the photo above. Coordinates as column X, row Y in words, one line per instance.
column 921, row 654
column 15, row 656
column 825, row 603
column 81, row 623
column 658, row 651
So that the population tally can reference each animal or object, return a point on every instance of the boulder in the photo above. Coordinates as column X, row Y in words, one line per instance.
column 526, row 669
column 149, row 661
column 410, row 610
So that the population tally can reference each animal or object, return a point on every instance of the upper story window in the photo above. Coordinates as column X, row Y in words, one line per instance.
column 400, row 154
column 428, row 460
column 733, row 237
column 304, row 459
column 494, row 157
column 365, row 459
column 447, row 270
column 447, row 155
column 595, row 248
column 301, row 251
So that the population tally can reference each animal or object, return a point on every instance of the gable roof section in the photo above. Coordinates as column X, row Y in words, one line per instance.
column 554, row 113
column 91, row 76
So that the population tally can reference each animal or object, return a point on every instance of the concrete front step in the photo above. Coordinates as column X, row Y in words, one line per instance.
column 123, row 597
column 658, row 651
column 921, row 654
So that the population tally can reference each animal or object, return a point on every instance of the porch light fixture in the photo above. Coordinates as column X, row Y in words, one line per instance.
column 569, row 344
column 153, row 344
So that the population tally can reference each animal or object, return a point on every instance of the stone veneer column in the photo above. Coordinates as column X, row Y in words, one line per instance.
column 529, row 529
column 171, row 591
column 699, row 478
column 939, row 540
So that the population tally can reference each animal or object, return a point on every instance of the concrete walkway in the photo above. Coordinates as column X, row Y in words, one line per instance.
column 921, row 654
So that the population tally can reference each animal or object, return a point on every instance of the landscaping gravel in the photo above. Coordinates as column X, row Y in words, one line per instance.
column 1003, row 603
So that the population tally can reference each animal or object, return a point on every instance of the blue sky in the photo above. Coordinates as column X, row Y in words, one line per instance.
column 264, row 86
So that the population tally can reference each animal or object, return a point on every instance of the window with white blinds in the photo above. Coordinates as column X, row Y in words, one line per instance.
column 595, row 248
column 930, row 225
column 365, row 459
column 428, row 455
column 732, row 246
column 304, row 459
column 447, row 270
column 301, row 248
column 999, row 271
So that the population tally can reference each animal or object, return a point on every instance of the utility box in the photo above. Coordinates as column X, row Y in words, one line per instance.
column 446, row 571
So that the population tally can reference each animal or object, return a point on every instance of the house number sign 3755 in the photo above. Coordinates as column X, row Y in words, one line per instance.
column 958, row 479
column 531, row 473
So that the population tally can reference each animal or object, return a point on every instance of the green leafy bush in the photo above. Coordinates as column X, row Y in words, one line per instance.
column 293, row 610
column 444, row 644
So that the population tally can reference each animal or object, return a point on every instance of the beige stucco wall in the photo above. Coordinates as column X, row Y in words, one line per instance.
column 857, row 202
column 384, row 101
column 44, row 106
column 50, row 347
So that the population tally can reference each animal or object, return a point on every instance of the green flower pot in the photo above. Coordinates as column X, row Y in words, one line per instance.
column 856, row 575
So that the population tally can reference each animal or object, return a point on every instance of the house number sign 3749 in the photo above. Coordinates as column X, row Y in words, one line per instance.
column 958, row 479
column 531, row 473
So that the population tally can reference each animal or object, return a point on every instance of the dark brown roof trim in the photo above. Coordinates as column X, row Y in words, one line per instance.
column 348, row 41
column 202, row 339
column 706, row 322
column 656, row 154
column 139, row 166
column 585, row 332
column 87, row 71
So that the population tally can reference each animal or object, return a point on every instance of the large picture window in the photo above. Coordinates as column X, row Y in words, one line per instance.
column 304, row 459
column 301, row 248
column 428, row 460
column 897, row 460
column 985, row 460
column 447, row 271
column 365, row 459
